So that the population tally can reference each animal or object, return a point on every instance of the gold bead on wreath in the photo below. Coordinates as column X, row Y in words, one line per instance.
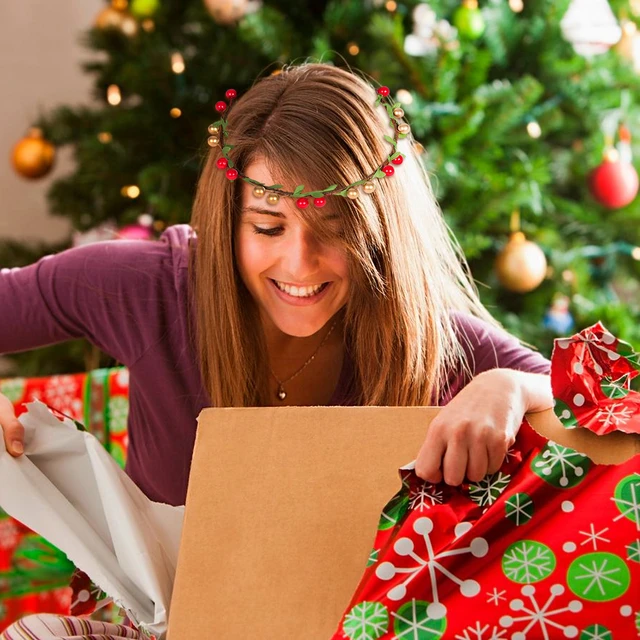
column 404, row 128
column 213, row 141
column 213, row 129
column 258, row 192
column 352, row 193
column 369, row 187
column 273, row 198
column 398, row 112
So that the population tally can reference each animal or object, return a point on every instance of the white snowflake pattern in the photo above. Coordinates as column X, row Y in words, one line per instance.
column 540, row 615
column 528, row 562
column 489, row 489
column 593, row 537
column 9, row 534
column 425, row 497
column 61, row 392
column 598, row 575
column 559, row 456
column 478, row 547
column 615, row 414
column 629, row 507
column 596, row 632
column 477, row 633
column 496, row 596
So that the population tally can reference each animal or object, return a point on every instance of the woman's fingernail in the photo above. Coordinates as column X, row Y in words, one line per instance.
column 17, row 446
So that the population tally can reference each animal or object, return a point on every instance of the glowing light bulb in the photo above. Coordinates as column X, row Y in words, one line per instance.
column 353, row 48
column 105, row 137
column 130, row 191
column 516, row 5
column 391, row 5
column 635, row 254
column 404, row 96
column 534, row 130
column 177, row 62
column 114, row 97
column 175, row 112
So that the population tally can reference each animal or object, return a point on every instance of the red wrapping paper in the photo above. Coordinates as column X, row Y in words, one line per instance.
column 546, row 548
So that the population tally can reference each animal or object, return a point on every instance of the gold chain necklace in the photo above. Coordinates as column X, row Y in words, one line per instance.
column 282, row 394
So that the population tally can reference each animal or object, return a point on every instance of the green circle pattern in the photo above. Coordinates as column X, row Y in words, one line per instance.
column 394, row 511
column 519, row 508
column 373, row 557
column 598, row 576
column 627, row 497
column 528, row 561
column 412, row 622
column 13, row 388
column 560, row 466
column 596, row 632
column 366, row 621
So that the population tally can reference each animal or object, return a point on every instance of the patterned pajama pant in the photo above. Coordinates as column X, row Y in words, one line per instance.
column 48, row 626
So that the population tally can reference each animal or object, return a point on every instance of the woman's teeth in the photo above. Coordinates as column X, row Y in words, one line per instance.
column 299, row 292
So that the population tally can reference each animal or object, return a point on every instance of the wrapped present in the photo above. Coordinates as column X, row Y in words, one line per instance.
column 546, row 548
column 35, row 576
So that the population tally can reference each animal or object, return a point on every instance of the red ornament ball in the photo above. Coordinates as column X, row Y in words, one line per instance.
column 398, row 161
column 614, row 183
column 388, row 169
column 302, row 203
column 222, row 163
column 231, row 94
column 232, row 174
column 319, row 202
column 383, row 91
column 221, row 106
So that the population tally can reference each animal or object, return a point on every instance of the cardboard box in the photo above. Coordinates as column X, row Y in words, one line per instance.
column 283, row 507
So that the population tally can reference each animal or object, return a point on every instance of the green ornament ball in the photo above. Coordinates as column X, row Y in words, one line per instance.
column 469, row 22
column 144, row 8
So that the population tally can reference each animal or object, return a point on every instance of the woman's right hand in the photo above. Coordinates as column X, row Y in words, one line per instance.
column 12, row 430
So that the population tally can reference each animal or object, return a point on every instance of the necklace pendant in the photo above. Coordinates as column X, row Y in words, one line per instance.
column 282, row 394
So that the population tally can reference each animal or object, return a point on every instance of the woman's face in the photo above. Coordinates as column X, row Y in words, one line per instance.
column 298, row 282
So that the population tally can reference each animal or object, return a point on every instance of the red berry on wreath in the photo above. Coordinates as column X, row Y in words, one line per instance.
column 302, row 203
column 319, row 202
column 231, row 94
column 399, row 160
column 222, row 163
column 232, row 174
column 383, row 91
column 221, row 106
column 388, row 169
column 615, row 182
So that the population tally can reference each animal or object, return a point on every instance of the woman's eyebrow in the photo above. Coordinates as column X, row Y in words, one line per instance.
column 278, row 214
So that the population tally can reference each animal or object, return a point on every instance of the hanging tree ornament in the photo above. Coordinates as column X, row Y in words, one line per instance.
column 590, row 26
column 228, row 12
column 116, row 17
column 521, row 265
column 468, row 20
column 614, row 183
column 142, row 9
column 33, row 156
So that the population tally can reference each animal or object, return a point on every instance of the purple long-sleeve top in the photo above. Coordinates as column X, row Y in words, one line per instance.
column 129, row 298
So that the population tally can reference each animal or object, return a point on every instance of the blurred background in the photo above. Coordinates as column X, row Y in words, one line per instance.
column 526, row 115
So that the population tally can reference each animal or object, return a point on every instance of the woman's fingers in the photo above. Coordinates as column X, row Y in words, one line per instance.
column 429, row 460
column 13, row 431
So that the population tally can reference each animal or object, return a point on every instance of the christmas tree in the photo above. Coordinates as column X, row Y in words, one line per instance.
column 513, row 105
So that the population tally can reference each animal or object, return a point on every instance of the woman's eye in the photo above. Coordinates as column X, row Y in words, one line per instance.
column 269, row 231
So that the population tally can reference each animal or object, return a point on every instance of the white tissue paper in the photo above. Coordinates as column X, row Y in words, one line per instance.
column 68, row 489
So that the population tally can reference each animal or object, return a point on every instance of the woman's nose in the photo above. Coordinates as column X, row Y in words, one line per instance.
column 302, row 254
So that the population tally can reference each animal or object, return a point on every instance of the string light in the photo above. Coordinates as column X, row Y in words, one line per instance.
column 145, row 219
column 353, row 48
column 175, row 112
column 148, row 25
column 516, row 5
column 177, row 62
column 131, row 191
column 568, row 276
column 114, row 97
column 404, row 96
column 105, row 137
column 119, row 5
column 635, row 253
column 391, row 5
column 534, row 130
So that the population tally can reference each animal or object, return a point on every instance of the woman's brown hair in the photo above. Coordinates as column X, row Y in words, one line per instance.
column 316, row 124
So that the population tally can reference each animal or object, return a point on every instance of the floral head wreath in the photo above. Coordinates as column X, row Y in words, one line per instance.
column 218, row 133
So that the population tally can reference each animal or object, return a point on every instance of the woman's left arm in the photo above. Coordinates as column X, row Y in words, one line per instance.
column 471, row 435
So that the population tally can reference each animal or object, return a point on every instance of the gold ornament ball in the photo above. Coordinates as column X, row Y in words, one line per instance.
column 404, row 128
column 352, row 193
column 369, row 187
column 213, row 129
column 226, row 12
column 213, row 141
column 521, row 266
column 398, row 112
column 33, row 156
column 273, row 198
column 258, row 192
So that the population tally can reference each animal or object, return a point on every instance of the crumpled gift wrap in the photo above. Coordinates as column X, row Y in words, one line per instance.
column 546, row 548
column 69, row 490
